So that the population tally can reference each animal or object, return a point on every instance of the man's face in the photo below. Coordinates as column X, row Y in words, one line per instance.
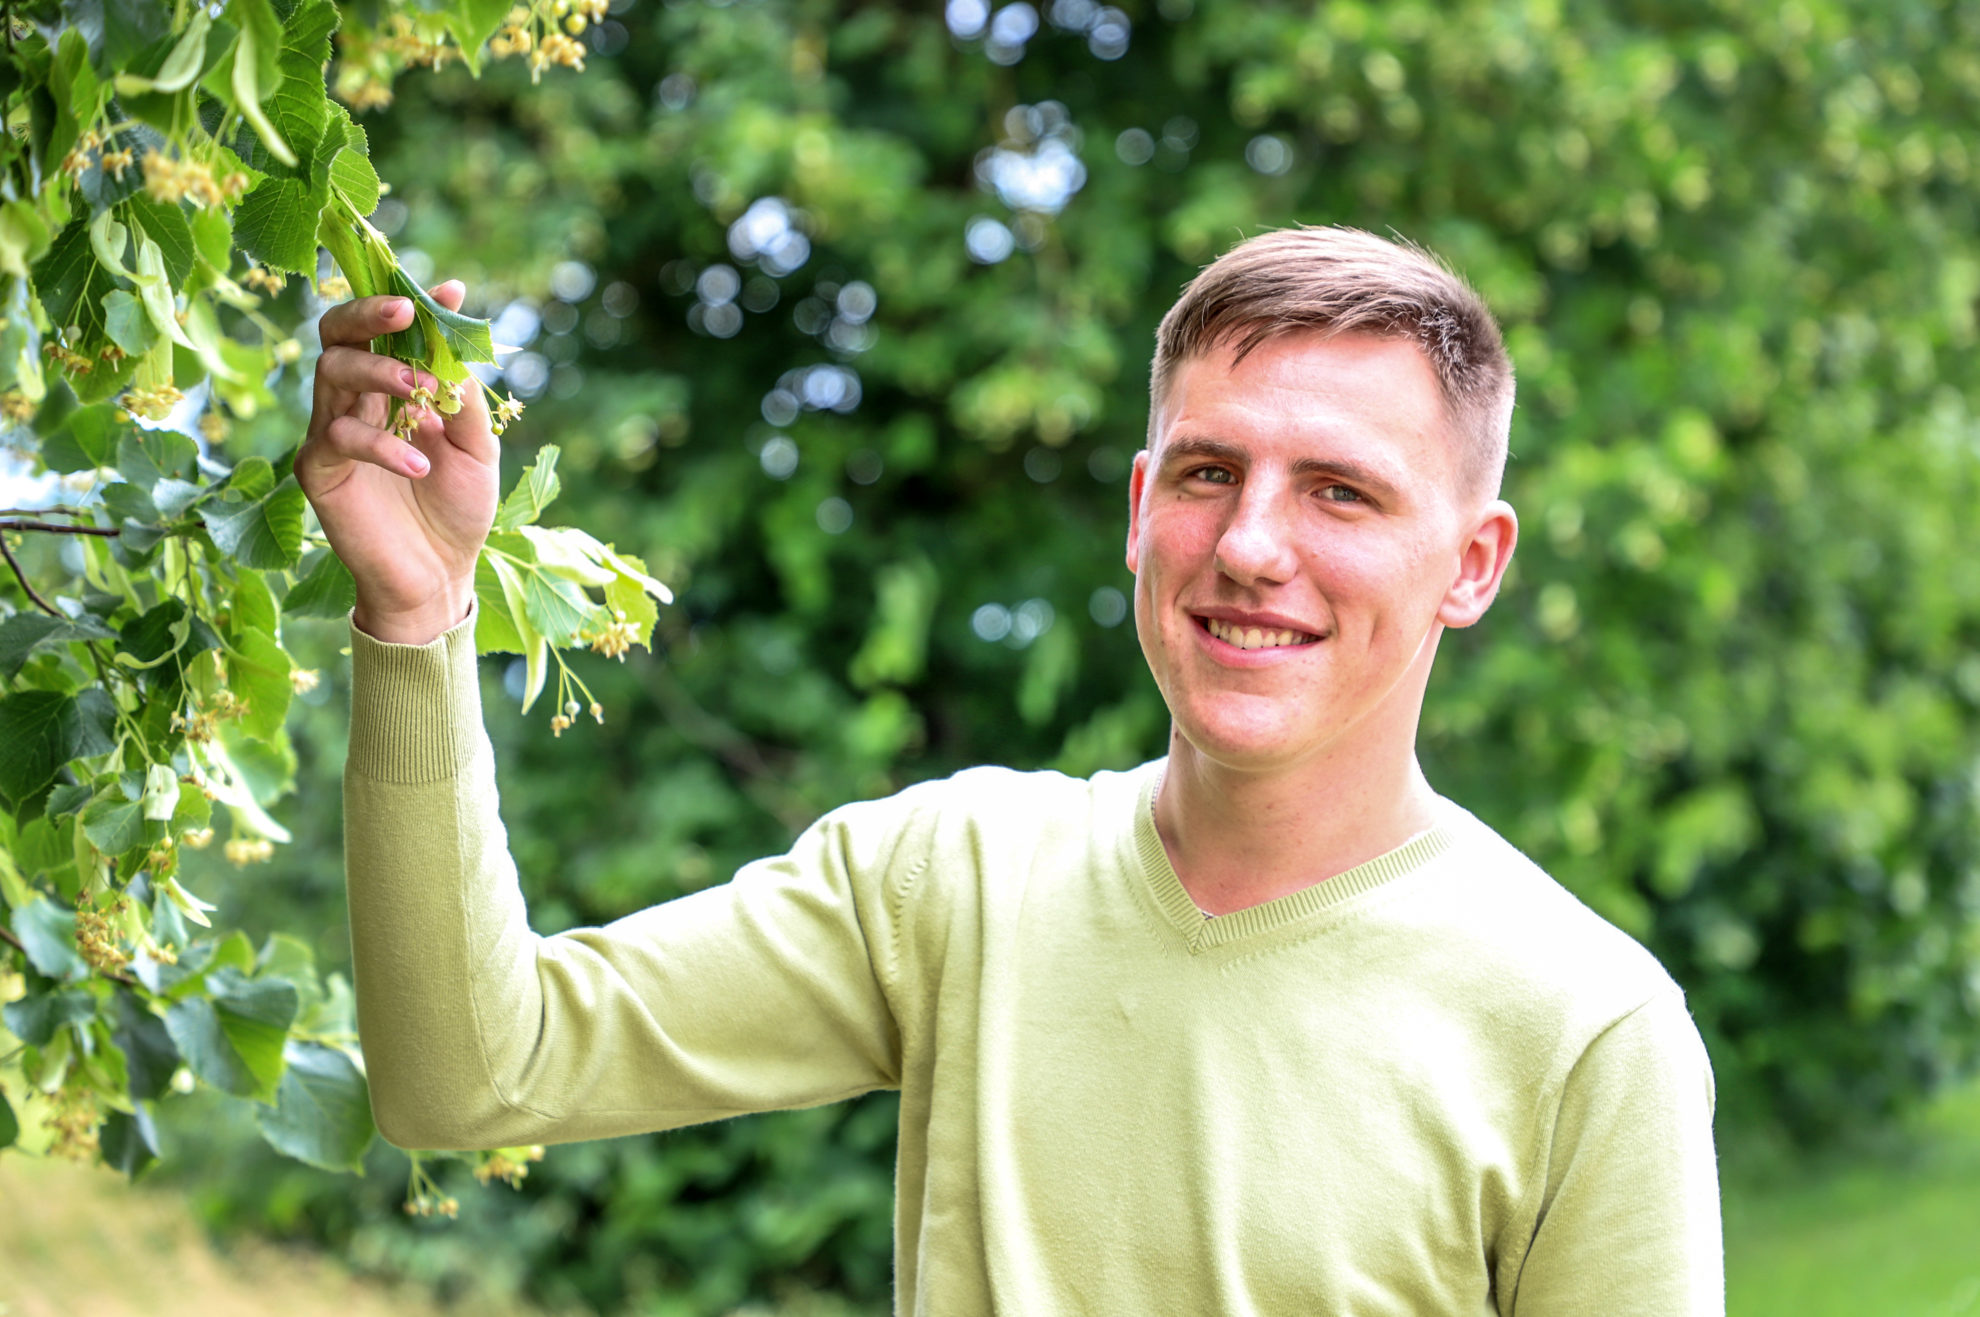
column 1300, row 535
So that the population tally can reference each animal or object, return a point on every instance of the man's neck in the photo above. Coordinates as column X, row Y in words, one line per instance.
column 1238, row 839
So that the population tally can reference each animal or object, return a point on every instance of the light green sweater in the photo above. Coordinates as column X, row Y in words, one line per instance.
column 1435, row 1084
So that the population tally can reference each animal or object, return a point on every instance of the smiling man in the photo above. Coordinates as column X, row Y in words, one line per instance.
column 1263, row 1027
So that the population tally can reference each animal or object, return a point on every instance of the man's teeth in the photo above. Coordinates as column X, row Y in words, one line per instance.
column 1255, row 637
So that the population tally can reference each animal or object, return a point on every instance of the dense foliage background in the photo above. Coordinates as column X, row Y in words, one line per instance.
column 840, row 314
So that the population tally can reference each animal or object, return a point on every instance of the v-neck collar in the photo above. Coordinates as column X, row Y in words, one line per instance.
column 1201, row 931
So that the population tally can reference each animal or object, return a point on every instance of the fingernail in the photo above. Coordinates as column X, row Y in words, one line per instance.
column 408, row 379
column 397, row 307
column 417, row 461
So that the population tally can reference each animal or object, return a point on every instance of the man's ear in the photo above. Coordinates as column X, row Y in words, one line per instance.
column 1137, row 481
column 1482, row 563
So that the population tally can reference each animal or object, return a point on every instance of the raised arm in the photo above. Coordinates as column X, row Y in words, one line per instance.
column 765, row 992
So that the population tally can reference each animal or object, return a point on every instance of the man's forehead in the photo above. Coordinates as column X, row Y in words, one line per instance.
column 1308, row 379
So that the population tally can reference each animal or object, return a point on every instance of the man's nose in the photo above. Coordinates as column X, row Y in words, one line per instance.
column 1256, row 547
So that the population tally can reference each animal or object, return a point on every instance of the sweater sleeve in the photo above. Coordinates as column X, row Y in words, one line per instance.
column 762, row 993
column 1630, row 1225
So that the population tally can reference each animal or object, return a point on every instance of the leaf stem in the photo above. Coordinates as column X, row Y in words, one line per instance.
column 21, row 576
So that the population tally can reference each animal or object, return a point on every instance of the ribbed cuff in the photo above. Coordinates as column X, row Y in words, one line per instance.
column 415, row 709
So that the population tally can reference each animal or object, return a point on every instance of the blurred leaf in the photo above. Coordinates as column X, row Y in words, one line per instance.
column 325, row 589
column 322, row 1114
column 150, row 1058
column 233, row 1038
column 48, row 936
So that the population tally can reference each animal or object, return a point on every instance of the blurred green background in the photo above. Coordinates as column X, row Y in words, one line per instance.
column 841, row 314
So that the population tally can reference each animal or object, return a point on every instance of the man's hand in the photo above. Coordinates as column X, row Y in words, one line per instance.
column 408, row 519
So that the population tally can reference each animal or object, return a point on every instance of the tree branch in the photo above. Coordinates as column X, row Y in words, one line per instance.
column 21, row 576
column 57, row 528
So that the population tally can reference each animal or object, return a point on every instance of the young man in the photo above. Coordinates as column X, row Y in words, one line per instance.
column 1263, row 1027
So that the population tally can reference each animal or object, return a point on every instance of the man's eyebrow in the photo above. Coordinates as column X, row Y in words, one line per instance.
column 1200, row 448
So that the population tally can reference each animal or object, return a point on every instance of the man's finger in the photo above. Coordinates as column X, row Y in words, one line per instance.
column 347, row 439
column 449, row 294
column 353, row 370
column 362, row 320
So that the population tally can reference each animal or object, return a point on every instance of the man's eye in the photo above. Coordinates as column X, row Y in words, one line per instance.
column 1340, row 494
column 1216, row 475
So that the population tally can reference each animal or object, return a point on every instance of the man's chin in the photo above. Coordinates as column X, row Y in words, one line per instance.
column 1241, row 746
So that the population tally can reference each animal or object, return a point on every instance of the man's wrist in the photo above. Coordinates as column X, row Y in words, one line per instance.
column 417, row 626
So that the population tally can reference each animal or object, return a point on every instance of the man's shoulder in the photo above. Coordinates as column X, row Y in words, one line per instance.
column 1523, row 937
column 990, row 810
column 1009, row 797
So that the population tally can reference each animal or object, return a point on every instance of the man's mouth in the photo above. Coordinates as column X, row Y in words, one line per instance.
column 1251, row 637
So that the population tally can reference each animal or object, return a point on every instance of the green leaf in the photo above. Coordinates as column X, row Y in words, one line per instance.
column 213, row 237
column 10, row 1125
column 290, row 958
column 166, row 629
column 149, row 1055
column 24, row 634
column 630, row 597
column 535, row 649
column 322, row 1113
column 464, row 336
column 533, row 492
column 355, row 180
column 174, row 498
column 129, row 26
column 494, row 629
column 85, row 441
column 261, row 532
column 115, row 825
column 129, row 1141
column 276, row 224
column 257, row 20
column 48, row 935
column 253, row 607
column 42, row 730
column 34, row 1019
column 557, row 608
column 233, row 1037
column 144, row 457
column 252, row 77
column 472, row 23
column 325, row 589
column 258, row 672
column 570, row 553
column 128, row 324
column 24, row 236
column 77, row 93
column 168, row 227
column 184, row 62
column 312, row 124
column 73, row 283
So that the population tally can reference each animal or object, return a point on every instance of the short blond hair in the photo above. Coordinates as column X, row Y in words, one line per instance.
column 1341, row 281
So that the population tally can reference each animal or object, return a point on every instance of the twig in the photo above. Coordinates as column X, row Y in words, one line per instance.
column 57, row 528
column 21, row 576
column 43, row 512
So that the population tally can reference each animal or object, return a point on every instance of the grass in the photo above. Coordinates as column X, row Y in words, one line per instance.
column 1890, row 1234
column 79, row 1242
